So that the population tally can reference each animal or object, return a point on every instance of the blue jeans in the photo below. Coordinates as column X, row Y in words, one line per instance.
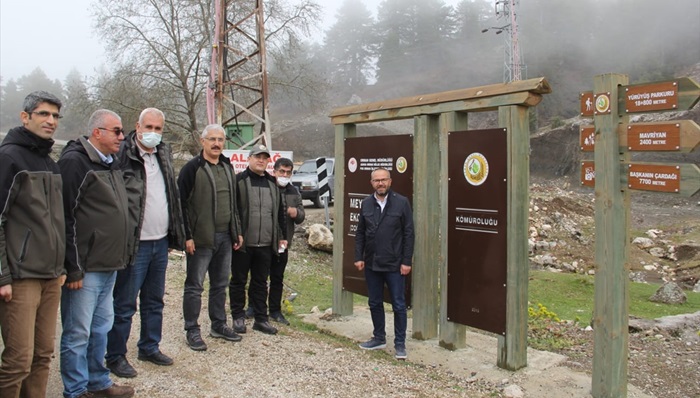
column 87, row 316
column 217, row 262
column 145, row 279
column 375, row 286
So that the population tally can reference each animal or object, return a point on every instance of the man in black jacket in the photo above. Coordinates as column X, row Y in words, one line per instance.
column 97, row 230
column 212, row 226
column 384, row 249
column 32, row 247
column 156, row 219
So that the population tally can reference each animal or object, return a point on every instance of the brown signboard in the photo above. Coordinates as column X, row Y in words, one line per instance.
column 660, row 96
column 588, row 173
column 477, row 230
column 587, row 105
column 362, row 155
column 654, row 137
column 587, row 138
column 651, row 177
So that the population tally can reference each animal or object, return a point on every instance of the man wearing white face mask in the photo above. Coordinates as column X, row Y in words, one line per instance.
column 157, row 221
column 291, row 200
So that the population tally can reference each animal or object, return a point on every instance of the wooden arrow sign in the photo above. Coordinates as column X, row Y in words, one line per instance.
column 661, row 177
column 675, row 136
column 683, row 179
column 678, row 94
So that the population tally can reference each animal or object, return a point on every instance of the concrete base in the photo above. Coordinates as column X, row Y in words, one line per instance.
column 545, row 375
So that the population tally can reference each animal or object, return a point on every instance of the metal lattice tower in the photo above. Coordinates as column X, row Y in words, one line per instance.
column 513, row 66
column 238, row 86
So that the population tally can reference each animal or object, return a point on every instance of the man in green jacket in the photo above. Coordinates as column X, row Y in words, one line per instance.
column 212, row 227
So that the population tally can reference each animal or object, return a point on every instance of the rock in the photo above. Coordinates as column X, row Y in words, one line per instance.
column 654, row 233
column 639, row 277
column 696, row 289
column 643, row 243
column 657, row 252
column 320, row 238
column 669, row 293
column 513, row 391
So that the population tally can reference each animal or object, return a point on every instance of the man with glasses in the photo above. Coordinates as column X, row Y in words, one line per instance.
column 156, row 219
column 212, row 226
column 384, row 250
column 97, row 230
column 32, row 247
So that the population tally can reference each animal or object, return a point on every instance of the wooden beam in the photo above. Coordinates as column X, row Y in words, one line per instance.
column 512, row 348
column 610, row 320
column 474, row 96
column 342, row 299
column 426, row 193
column 452, row 335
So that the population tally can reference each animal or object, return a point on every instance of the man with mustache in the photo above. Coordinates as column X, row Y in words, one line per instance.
column 212, row 227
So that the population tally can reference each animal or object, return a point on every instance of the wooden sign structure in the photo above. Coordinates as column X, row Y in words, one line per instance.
column 611, row 139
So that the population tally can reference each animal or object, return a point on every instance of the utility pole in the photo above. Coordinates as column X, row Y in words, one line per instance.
column 238, row 85
column 514, row 68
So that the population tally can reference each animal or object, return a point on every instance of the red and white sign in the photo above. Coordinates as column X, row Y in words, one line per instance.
column 239, row 158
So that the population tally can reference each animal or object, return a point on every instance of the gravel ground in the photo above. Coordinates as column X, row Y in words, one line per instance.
column 294, row 363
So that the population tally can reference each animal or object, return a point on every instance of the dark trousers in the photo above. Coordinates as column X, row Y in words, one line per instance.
column 257, row 262
column 375, row 287
column 277, row 281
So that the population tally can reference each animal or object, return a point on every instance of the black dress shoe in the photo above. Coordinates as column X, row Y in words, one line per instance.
column 121, row 367
column 264, row 327
column 239, row 325
column 157, row 358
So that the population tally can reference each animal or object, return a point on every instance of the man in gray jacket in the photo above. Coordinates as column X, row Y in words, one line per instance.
column 97, row 230
column 32, row 247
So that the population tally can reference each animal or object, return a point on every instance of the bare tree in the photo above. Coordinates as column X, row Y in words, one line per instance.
column 164, row 46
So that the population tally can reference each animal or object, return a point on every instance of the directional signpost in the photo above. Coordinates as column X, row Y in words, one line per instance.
column 611, row 139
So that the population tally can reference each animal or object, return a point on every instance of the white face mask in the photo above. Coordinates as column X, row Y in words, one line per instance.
column 150, row 139
column 282, row 181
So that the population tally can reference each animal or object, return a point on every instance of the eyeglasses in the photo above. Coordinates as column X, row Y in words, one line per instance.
column 215, row 139
column 47, row 114
column 117, row 131
column 381, row 180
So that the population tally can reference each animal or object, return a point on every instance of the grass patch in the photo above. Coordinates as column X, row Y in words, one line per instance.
column 571, row 297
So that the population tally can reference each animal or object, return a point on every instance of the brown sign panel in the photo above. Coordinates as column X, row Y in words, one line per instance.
column 661, row 96
column 587, row 138
column 362, row 155
column 476, row 219
column 587, row 105
column 588, row 173
column 650, row 177
column 654, row 137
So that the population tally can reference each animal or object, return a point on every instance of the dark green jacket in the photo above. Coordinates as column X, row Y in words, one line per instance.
column 134, row 177
column 32, row 226
column 95, row 205
column 198, row 197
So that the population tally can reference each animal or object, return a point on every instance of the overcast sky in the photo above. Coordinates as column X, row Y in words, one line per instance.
column 58, row 36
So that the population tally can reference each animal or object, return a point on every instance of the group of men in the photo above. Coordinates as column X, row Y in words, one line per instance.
column 93, row 232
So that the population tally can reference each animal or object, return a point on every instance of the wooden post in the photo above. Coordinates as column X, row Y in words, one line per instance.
column 512, row 348
column 452, row 335
column 342, row 299
column 426, row 196
column 610, row 320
